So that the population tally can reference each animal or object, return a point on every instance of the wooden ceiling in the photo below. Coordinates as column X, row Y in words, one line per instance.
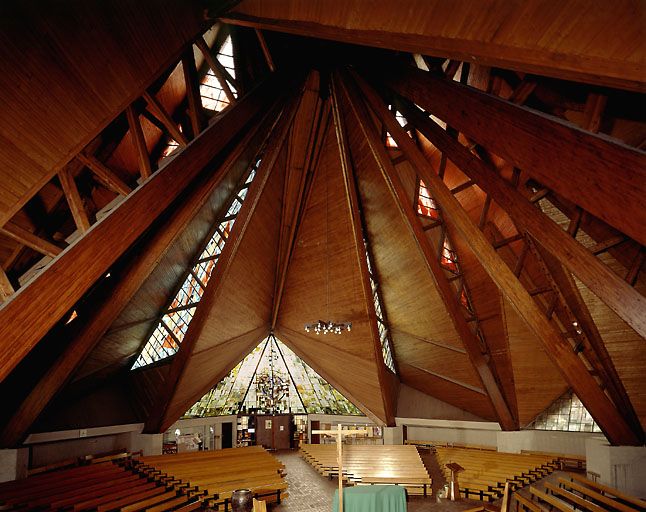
column 569, row 39
column 543, row 216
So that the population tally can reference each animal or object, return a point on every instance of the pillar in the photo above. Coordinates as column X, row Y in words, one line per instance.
column 622, row 467
column 13, row 463
column 150, row 444
column 393, row 435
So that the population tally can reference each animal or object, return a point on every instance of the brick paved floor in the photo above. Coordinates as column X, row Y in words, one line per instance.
column 311, row 492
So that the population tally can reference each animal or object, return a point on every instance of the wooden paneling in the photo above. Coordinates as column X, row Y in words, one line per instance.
column 31, row 312
column 537, row 381
column 626, row 348
column 567, row 39
column 466, row 399
column 237, row 302
column 601, row 175
column 68, row 70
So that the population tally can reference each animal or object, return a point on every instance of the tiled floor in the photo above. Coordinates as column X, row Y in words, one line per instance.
column 311, row 492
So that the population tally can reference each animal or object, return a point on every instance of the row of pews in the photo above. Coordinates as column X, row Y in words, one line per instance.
column 216, row 474
column 372, row 464
column 486, row 472
column 180, row 483
column 579, row 493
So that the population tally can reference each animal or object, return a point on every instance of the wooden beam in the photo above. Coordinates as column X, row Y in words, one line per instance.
column 191, row 80
column 19, row 234
column 572, row 297
column 602, row 175
column 624, row 300
column 265, row 50
column 216, row 67
column 91, row 329
column 74, row 200
column 489, row 52
column 6, row 288
column 156, row 109
column 161, row 418
column 446, row 291
column 107, row 176
column 30, row 314
column 138, row 139
column 352, row 200
column 311, row 163
column 559, row 350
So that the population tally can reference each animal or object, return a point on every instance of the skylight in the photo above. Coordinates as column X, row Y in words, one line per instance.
column 272, row 380
column 169, row 332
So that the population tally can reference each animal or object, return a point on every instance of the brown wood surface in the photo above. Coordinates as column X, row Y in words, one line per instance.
column 87, row 72
column 603, row 176
column 104, row 314
column 185, row 384
column 618, row 294
column 548, row 39
column 32, row 312
column 389, row 394
column 574, row 371
column 447, row 293
column 138, row 139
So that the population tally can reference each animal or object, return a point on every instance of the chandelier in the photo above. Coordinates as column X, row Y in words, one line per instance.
column 325, row 327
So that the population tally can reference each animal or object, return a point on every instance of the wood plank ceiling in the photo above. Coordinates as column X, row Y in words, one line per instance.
column 513, row 318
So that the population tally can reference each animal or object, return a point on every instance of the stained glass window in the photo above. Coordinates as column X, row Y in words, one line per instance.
column 384, row 336
column 272, row 380
column 426, row 207
column 567, row 413
column 173, row 325
column 211, row 91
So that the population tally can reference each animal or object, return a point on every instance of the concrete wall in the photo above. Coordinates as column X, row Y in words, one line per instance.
column 572, row 443
column 415, row 404
column 13, row 464
column 623, row 467
column 467, row 432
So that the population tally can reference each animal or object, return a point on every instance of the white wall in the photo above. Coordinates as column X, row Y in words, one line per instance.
column 623, row 467
column 571, row 443
column 13, row 464
column 332, row 419
column 56, row 451
column 451, row 431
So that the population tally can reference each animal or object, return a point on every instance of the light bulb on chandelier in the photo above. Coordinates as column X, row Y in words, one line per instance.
column 329, row 326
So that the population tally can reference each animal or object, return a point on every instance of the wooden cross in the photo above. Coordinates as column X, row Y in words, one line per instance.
column 339, row 433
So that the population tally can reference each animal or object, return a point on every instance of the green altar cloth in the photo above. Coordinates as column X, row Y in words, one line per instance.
column 371, row 498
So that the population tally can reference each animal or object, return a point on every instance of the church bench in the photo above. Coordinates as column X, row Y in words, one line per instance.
column 553, row 501
column 607, row 490
column 69, row 496
column 56, row 484
column 131, row 498
column 523, row 503
column 566, row 495
column 96, row 501
column 565, row 461
column 589, row 494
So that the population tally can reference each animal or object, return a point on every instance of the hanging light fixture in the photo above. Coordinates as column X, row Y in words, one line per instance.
column 327, row 326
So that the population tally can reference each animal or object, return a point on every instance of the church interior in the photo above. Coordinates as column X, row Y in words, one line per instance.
column 385, row 250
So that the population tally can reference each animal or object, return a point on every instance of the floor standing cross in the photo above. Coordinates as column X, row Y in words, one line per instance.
column 339, row 433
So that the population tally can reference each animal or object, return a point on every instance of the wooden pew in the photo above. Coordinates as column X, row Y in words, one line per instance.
column 554, row 502
column 523, row 503
column 590, row 495
column 486, row 472
column 570, row 497
column 372, row 464
column 607, row 490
